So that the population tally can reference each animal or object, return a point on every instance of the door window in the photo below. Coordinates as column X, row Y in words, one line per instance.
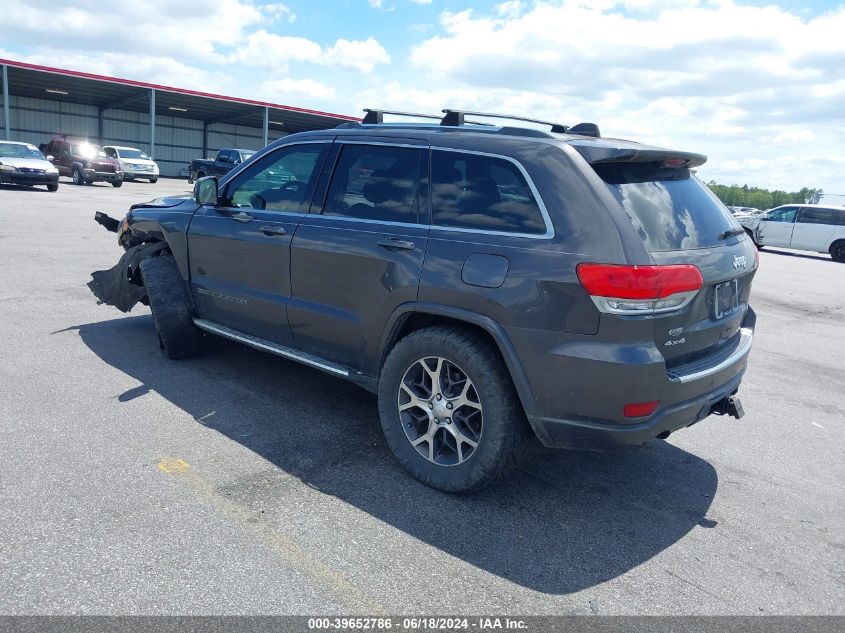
column 820, row 215
column 787, row 215
column 279, row 182
column 376, row 182
column 478, row 192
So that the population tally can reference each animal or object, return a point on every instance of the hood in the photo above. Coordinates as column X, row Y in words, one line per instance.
column 167, row 201
column 32, row 163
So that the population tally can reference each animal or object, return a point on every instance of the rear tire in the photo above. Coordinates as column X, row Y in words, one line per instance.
column 486, row 435
column 178, row 337
column 837, row 251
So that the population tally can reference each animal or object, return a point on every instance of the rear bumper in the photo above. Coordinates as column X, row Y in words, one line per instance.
column 21, row 178
column 583, row 388
column 588, row 435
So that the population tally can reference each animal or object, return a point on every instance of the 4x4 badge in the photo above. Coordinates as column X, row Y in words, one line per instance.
column 739, row 261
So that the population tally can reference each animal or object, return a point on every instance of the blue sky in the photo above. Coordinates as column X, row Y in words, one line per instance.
column 758, row 86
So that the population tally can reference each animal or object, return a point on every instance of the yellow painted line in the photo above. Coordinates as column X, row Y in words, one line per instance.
column 274, row 540
column 173, row 465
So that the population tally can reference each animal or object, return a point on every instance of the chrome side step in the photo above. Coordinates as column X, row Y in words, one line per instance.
column 267, row 346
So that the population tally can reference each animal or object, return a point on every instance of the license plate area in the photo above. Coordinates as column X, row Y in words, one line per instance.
column 726, row 298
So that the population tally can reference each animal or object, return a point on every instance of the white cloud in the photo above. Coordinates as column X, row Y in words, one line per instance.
column 421, row 1
column 734, row 81
column 289, row 90
column 269, row 50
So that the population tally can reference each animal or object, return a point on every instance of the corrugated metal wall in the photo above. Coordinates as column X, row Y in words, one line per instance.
column 178, row 140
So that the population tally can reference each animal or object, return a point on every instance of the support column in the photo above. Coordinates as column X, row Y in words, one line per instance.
column 205, row 139
column 99, row 126
column 152, row 123
column 266, row 124
column 7, row 124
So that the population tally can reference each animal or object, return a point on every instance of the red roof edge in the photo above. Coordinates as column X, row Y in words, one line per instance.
column 195, row 93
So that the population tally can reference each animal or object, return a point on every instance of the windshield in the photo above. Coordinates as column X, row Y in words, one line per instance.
column 670, row 208
column 245, row 155
column 132, row 153
column 13, row 150
column 86, row 150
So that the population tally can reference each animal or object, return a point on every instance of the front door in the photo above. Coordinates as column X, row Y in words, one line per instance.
column 357, row 258
column 776, row 228
column 239, row 250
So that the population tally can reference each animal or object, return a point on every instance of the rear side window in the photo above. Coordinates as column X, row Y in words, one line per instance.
column 376, row 182
column 472, row 191
column 670, row 208
column 820, row 215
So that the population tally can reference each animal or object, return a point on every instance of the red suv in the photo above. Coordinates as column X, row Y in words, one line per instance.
column 83, row 161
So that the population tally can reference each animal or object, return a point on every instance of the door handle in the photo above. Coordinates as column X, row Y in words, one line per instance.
column 241, row 216
column 273, row 230
column 395, row 244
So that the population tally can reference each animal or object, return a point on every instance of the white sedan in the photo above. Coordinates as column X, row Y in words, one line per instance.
column 134, row 162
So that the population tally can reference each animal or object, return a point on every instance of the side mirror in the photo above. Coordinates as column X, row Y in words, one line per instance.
column 205, row 190
column 50, row 158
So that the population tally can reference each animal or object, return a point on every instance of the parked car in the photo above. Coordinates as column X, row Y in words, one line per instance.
column 806, row 227
column 226, row 161
column 743, row 210
column 83, row 161
column 24, row 164
column 486, row 282
column 133, row 162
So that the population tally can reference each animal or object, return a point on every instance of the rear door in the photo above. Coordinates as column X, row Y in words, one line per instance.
column 239, row 251
column 682, row 222
column 776, row 227
column 815, row 228
column 359, row 255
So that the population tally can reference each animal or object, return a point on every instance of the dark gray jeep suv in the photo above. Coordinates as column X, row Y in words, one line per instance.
column 487, row 282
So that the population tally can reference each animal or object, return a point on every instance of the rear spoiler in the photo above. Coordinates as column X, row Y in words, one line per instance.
column 627, row 152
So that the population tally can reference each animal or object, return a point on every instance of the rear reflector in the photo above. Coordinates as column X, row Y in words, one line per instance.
column 640, row 289
column 640, row 409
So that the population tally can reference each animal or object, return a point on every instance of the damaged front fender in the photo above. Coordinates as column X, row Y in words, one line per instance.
column 120, row 286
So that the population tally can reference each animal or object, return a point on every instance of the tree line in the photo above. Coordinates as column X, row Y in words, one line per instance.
column 745, row 196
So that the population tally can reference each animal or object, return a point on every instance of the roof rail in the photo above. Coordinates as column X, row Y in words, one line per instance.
column 456, row 117
column 376, row 117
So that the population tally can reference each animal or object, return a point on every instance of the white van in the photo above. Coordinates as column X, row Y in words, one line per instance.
column 135, row 163
column 807, row 227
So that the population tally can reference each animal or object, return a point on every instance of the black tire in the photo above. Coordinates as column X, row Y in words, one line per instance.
column 178, row 337
column 76, row 176
column 837, row 251
column 53, row 187
column 153, row 181
column 117, row 183
column 504, row 434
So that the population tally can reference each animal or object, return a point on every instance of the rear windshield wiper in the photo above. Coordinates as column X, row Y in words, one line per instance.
column 731, row 232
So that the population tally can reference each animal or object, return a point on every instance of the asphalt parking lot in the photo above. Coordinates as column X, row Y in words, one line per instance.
column 238, row 482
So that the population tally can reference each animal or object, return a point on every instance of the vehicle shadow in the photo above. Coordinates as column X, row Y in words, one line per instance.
column 8, row 187
column 800, row 255
column 564, row 522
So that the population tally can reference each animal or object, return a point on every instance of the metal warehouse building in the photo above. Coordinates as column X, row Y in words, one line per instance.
column 172, row 125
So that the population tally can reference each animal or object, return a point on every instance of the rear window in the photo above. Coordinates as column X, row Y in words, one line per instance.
column 670, row 208
column 821, row 215
column 483, row 193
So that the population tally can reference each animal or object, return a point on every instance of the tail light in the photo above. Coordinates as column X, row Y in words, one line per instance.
column 619, row 289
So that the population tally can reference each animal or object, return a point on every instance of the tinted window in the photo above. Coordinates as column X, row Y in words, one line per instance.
column 669, row 207
column 376, row 182
column 482, row 192
column 820, row 215
column 279, row 182
column 786, row 214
